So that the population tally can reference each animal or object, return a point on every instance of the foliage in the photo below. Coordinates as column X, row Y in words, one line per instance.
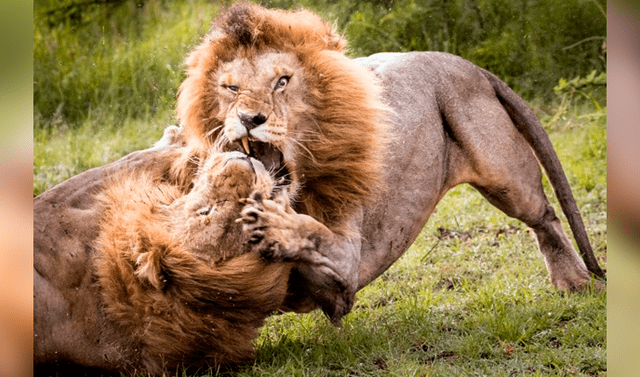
column 471, row 296
column 113, row 65
column 110, row 60
column 591, row 88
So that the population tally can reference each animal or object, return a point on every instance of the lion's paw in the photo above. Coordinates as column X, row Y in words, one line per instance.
column 273, row 227
column 169, row 136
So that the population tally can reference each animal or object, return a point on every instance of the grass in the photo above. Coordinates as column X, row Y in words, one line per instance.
column 61, row 153
column 471, row 297
column 114, row 64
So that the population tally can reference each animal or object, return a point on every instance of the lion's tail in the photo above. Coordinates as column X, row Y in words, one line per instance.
column 529, row 126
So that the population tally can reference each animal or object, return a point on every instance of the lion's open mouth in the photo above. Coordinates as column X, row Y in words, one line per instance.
column 270, row 156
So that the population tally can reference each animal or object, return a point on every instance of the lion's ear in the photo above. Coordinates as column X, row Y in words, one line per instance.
column 148, row 258
column 336, row 41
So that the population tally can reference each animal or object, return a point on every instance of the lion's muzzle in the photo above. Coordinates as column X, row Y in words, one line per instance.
column 250, row 121
column 268, row 154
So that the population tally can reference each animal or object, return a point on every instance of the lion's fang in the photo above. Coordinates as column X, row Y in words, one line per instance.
column 245, row 144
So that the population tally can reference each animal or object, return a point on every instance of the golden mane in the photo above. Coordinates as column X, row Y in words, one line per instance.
column 166, row 304
column 340, row 161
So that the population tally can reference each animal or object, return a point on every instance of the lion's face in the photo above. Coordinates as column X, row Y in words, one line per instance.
column 277, row 86
column 205, row 218
column 261, row 107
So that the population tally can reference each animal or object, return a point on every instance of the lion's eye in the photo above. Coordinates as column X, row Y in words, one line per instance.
column 232, row 88
column 282, row 82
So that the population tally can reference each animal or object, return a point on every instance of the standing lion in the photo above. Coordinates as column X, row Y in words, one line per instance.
column 368, row 147
column 364, row 149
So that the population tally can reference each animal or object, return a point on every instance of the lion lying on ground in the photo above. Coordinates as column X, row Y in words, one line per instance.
column 176, row 282
column 366, row 148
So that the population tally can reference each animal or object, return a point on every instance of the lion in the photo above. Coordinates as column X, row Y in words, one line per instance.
column 365, row 149
column 369, row 146
column 174, row 280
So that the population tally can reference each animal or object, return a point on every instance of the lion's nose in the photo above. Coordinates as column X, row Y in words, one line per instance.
column 252, row 121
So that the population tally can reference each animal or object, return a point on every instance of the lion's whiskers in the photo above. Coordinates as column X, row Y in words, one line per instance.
column 220, row 142
column 213, row 130
column 303, row 147
column 274, row 173
column 194, row 159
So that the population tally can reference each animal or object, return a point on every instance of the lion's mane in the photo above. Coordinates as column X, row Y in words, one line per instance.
column 339, row 165
column 165, row 305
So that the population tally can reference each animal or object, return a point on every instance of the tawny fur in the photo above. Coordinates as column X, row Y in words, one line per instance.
column 340, row 132
column 338, row 138
column 453, row 123
column 177, row 302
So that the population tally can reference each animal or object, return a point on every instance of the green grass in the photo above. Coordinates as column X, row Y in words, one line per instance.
column 115, row 64
column 471, row 297
column 62, row 153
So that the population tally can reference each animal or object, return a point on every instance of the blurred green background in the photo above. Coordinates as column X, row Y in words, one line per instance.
column 119, row 60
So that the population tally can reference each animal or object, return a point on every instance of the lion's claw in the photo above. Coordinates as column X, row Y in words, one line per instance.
column 264, row 221
column 278, row 233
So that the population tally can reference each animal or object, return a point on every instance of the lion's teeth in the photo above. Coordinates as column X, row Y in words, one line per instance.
column 245, row 144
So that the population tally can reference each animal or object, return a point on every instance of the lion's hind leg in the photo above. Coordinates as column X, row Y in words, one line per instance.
column 489, row 152
column 519, row 194
column 566, row 269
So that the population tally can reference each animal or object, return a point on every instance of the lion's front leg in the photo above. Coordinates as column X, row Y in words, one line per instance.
column 328, row 263
column 277, row 231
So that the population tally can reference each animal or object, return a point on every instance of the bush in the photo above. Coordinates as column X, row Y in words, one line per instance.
column 113, row 63
column 112, row 60
column 529, row 45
